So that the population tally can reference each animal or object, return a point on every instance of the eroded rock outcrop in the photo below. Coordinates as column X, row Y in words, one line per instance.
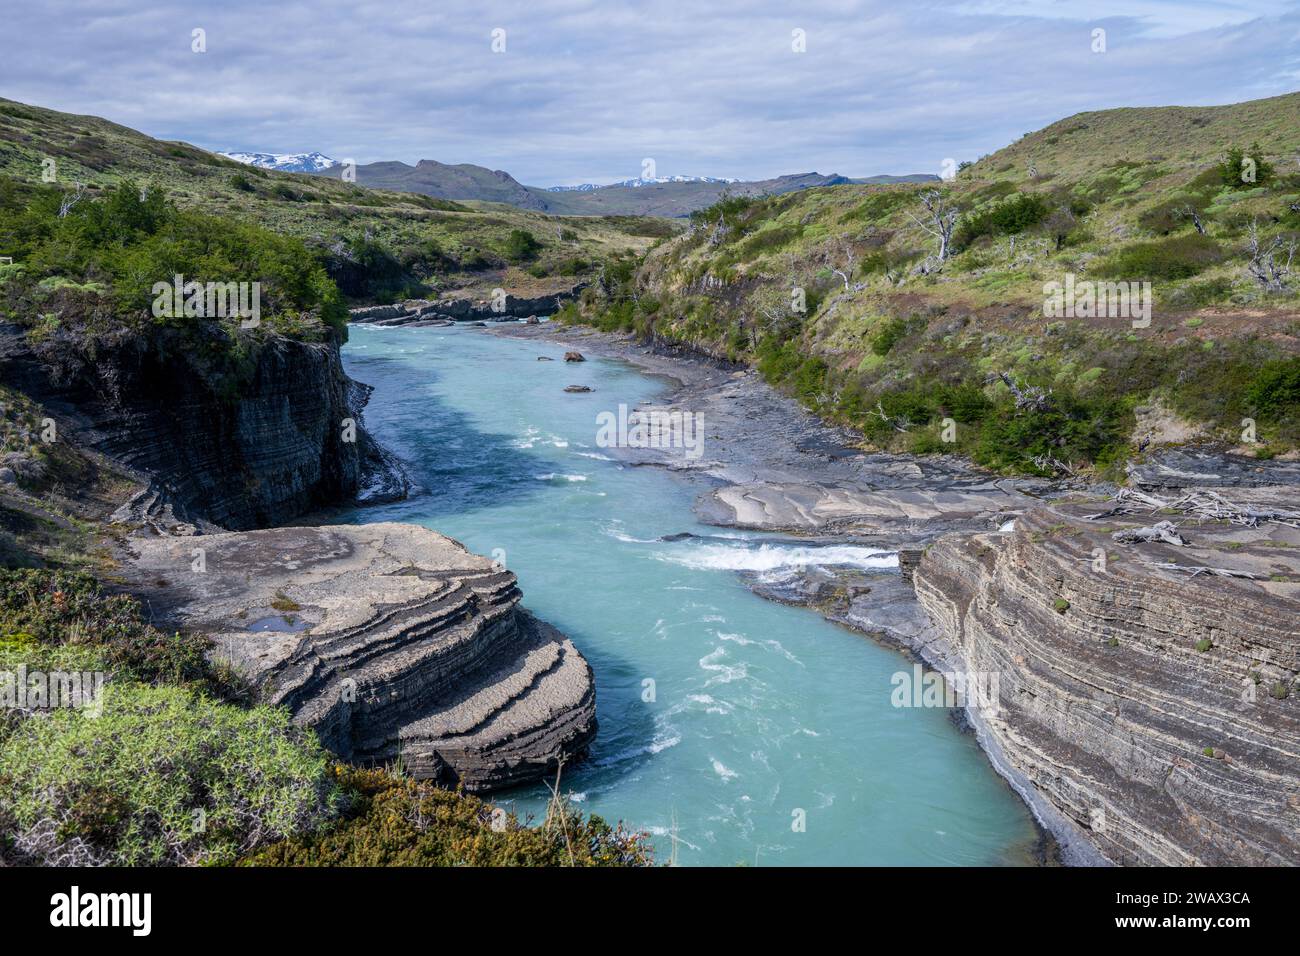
column 390, row 640
column 1154, row 708
column 420, row 313
column 231, row 444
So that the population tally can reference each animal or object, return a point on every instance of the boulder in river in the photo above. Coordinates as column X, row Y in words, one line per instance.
column 577, row 388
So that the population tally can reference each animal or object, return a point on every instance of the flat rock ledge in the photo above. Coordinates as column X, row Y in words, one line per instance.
column 390, row 640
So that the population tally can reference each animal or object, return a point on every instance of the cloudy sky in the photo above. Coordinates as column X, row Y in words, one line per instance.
column 584, row 91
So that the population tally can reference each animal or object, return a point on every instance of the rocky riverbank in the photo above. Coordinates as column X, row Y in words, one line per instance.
column 1146, row 714
column 392, row 642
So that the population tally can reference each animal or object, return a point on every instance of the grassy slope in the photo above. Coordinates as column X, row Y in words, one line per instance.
column 904, row 337
column 320, row 210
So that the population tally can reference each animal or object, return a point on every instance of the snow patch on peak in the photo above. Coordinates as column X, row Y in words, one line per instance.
column 285, row 162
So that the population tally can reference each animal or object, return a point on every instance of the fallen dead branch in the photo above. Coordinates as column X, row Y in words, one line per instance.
column 1206, row 505
column 1162, row 531
column 1194, row 570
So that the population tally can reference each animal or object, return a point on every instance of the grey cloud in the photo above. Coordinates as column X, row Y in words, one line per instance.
column 587, row 90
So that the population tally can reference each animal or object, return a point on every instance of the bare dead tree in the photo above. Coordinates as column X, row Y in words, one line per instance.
column 848, row 256
column 1030, row 397
column 1054, row 465
column 1191, row 212
column 940, row 220
column 71, row 199
column 1195, row 569
column 1266, row 265
column 1162, row 531
column 897, row 422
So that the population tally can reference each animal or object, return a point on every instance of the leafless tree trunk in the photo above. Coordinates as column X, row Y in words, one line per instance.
column 1266, row 265
column 1027, row 396
column 899, row 424
column 71, row 200
column 940, row 220
column 1190, row 212
column 850, row 260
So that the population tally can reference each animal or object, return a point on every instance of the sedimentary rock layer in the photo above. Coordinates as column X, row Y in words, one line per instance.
column 1154, row 708
column 234, row 447
column 424, row 312
column 392, row 641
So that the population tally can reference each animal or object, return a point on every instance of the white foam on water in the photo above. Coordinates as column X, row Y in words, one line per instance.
column 554, row 476
column 594, row 455
column 772, row 645
column 778, row 557
column 627, row 538
column 722, row 770
column 722, row 673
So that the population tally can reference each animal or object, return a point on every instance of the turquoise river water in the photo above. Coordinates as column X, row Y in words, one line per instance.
column 767, row 735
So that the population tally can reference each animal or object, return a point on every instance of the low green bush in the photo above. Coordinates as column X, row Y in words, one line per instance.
column 65, row 608
column 163, row 776
column 395, row 821
column 1178, row 257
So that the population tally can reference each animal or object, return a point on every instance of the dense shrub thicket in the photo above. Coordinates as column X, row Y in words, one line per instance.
column 395, row 821
column 116, row 246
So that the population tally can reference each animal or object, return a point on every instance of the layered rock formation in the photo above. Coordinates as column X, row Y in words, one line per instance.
column 419, row 313
column 257, row 444
column 390, row 640
column 1155, row 709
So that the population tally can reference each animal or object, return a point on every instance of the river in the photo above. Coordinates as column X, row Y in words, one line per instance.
column 738, row 730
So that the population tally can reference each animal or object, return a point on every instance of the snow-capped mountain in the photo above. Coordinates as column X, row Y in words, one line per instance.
column 634, row 183
column 286, row 162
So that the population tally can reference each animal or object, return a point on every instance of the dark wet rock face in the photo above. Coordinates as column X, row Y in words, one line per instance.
column 256, row 445
column 392, row 641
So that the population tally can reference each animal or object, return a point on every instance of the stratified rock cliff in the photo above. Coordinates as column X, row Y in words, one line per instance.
column 252, row 441
column 1155, row 708
column 390, row 640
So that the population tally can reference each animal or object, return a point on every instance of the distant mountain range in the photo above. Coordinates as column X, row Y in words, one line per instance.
column 664, row 196
column 285, row 163
column 639, row 181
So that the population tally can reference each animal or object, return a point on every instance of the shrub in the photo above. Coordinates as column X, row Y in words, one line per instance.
column 63, row 608
column 162, row 777
column 1008, row 217
column 521, row 245
column 1232, row 171
column 1179, row 257
column 889, row 334
column 1275, row 392
column 394, row 821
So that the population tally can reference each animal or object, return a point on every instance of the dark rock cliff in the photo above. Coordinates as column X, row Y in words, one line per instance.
column 270, row 432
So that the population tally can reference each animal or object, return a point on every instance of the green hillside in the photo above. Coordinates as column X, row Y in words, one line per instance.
column 894, row 339
column 378, row 245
